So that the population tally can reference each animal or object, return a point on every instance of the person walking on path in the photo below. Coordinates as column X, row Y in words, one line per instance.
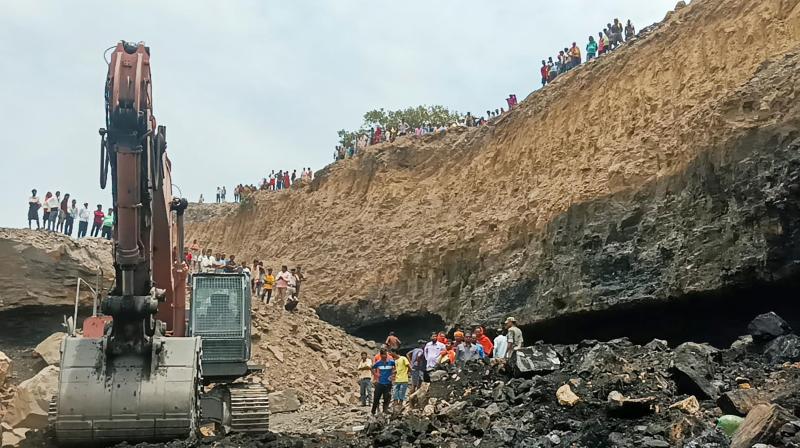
column 84, row 216
column 384, row 371
column 33, row 209
column 402, row 366
column 97, row 224
column 393, row 342
column 269, row 283
column 108, row 224
column 364, row 378
column 514, row 336
column 72, row 214
column 281, row 284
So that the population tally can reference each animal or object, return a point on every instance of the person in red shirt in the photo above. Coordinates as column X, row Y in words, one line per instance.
column 442, row 338
column 97, row 224
column 484, row 340
column 286, row 180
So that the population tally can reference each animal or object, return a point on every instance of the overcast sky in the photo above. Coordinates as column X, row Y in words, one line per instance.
column 245, row 87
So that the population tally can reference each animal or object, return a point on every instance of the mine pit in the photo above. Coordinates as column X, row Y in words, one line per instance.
column 716, row 318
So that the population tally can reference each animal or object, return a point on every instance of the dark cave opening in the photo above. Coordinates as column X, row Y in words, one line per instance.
column 408, row 328
column 717, row 317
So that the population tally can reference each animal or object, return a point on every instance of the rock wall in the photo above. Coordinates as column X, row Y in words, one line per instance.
column 41, row 268
column 664, row 168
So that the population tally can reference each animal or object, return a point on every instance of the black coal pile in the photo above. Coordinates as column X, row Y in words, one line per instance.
column 615, row 394
column 593, row 395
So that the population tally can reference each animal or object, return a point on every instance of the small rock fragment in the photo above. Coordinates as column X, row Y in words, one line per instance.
column 566, row 397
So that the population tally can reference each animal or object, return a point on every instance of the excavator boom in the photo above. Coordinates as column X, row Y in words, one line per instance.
column 134, row 382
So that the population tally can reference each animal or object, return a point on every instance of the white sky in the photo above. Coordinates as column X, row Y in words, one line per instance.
column 245, row 87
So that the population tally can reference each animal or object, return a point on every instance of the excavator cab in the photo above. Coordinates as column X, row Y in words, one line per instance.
column 220, row 316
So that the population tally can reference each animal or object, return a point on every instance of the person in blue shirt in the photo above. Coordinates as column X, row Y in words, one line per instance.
column 383, row 374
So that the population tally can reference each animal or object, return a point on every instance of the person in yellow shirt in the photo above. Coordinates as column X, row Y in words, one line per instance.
column 403, row 366
column 269, row 283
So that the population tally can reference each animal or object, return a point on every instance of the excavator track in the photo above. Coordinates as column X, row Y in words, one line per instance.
column 249, row 408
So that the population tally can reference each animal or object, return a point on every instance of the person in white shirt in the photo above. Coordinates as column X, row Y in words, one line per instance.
column 208, row 264
column 54, row 204
column 500, row 345
column 84, row 216
column 432, row 351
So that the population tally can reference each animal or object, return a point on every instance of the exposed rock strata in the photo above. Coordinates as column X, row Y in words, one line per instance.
column 680, row 177
column 42, row 268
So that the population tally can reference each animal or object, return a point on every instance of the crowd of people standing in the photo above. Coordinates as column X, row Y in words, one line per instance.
column 570, row 57
column 59, row 214
column 282, row 180
column 391, row 376
column 281, row 288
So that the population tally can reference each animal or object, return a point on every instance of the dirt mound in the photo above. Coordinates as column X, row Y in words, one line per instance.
column 301, row 352
column 41, row 268
column 473, row 223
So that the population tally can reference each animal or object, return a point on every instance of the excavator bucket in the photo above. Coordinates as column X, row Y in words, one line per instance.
column 127, row 398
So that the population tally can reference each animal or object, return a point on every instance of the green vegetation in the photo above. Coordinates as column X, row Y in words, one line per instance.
column 414, row 117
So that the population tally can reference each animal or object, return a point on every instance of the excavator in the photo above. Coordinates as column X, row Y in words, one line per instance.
column 144, row 368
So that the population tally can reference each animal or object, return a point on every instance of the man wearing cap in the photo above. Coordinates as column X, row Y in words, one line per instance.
column 514, row 336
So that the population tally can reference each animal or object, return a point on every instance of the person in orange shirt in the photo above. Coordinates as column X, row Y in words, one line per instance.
column 458, row 336
column 484, row 341
column 442, row 338
column 449, row 355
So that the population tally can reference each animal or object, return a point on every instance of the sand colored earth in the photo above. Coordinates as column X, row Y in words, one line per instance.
column 391, row 229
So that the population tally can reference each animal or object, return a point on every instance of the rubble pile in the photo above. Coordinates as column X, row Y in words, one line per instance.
column 306, row 357
column 615, row 394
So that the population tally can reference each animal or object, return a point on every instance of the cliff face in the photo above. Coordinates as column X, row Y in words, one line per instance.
column 42, row 268
column 664, row 169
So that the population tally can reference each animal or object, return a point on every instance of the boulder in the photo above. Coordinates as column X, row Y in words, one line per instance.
column 284, row 401
column 741, row 401
column 536, row 360
column 5, row 367
column 783, row 349
column 622, row 406
column 762, row 424
column 566, row 397
column 50, row 349
column 28, row 408
column 689, row 405
column 14, row 438
column 693, row 370
column 768, row 326
column 601, row 358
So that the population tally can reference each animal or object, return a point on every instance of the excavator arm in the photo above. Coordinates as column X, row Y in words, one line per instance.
column 134, row 382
